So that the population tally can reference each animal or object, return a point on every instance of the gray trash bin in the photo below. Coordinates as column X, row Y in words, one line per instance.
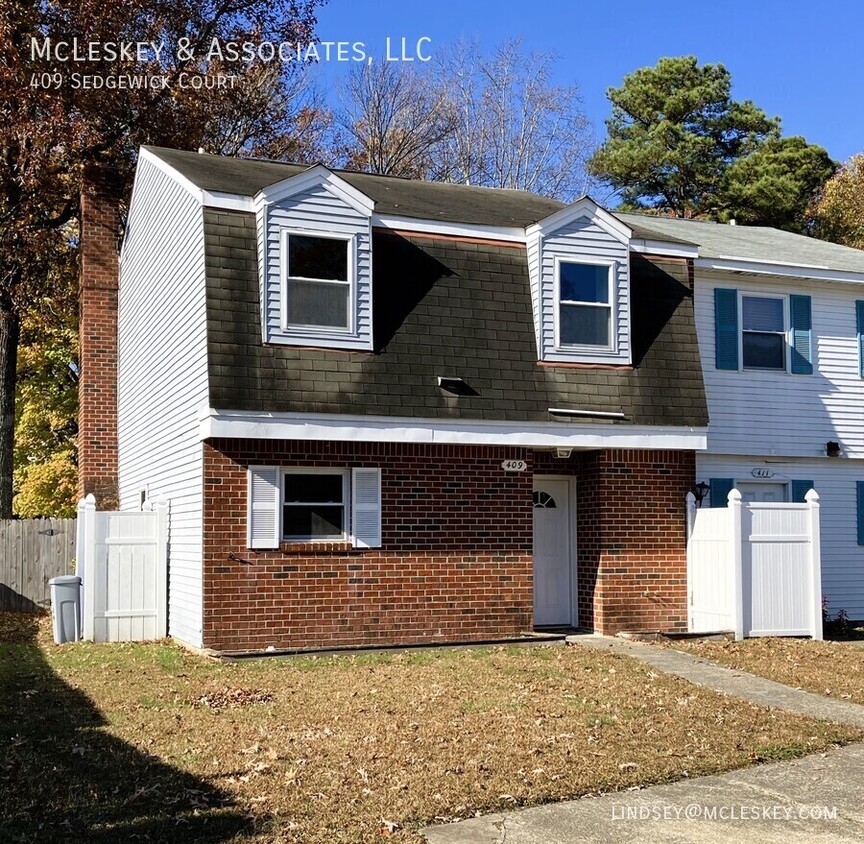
column 66, row 608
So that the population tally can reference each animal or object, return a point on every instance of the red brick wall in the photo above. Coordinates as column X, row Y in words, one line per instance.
column 97, row 386
column 631, row 536
column 455, row 563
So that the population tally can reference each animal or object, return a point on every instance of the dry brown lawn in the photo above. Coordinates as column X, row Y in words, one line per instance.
column 151, row 743
column 834, row 669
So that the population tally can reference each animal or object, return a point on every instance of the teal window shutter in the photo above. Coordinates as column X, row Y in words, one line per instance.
column 800, row 489
column 859, row 319
column 860, row 510
column 720, row 489
column 802, row 334
column 725, row 328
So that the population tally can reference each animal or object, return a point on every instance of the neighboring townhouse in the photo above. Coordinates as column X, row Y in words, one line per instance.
column 388, row 411
column 780, row 320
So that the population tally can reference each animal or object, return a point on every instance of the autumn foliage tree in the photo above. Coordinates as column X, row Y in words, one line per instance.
column 839, row 211
column 49, row 133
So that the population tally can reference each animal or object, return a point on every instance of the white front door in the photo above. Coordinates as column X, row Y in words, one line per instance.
column 762, row 492
column 552, row 553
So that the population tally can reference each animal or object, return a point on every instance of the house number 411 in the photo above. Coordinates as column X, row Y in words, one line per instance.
column 514, row 465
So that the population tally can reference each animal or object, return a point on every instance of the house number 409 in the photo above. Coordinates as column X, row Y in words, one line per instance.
column 514, row 465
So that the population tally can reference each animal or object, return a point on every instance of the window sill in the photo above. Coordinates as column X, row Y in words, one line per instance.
column 308, row 547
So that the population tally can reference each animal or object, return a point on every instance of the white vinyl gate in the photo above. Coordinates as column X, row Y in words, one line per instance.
column 755, row 568
column 123, row 563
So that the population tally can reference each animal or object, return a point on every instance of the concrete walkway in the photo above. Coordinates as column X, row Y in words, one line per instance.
column 729, row 681
column 814, row 800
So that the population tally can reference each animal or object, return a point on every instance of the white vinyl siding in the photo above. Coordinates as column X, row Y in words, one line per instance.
column 777, row 413
column 316, row 212
column 584, row 241
column 162, row 376
column 533, row 249
column 835, row 480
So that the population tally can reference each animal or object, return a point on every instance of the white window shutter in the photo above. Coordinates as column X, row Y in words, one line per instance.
column 366, row 508
column 263, row 507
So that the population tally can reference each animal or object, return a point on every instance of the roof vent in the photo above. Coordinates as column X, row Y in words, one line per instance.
column 456, row 386
column 732, row 221
column 200, row 150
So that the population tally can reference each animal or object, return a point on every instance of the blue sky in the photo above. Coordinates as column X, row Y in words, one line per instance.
column 802, row 61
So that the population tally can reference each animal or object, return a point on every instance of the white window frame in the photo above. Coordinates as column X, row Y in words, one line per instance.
column 285, row 232
column 611, row 278
column 787, row 321
column 346, row 502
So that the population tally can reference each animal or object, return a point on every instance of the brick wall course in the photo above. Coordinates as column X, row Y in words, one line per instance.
column 456, row 559
column 455, row 562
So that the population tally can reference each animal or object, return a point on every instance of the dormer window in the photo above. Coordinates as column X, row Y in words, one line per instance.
column 317, row 281
column 579, row 266
column 584, row 304
column 315, row 262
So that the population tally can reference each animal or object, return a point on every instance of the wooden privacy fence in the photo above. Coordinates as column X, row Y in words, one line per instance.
column 123, row 563
column 32, row 551
column 755, row 568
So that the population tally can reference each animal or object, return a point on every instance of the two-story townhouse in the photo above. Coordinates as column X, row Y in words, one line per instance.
column 388, row 411
column 780, row 320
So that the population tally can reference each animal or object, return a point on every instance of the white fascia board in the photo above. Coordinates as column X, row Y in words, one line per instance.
column 759, row 267
column 212, row 199
column 584, row 207
column 660, row 247
column 316, row 175
column 447, row 229
column 349, row 428
column 228, row 201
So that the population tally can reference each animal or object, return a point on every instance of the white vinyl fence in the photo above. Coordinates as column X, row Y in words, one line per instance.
column 755, row 568
column 123, row 562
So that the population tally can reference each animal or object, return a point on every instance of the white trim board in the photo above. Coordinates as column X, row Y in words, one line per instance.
column 584, row 207
column 449, row 229
column 758, row 267
column 348, row 428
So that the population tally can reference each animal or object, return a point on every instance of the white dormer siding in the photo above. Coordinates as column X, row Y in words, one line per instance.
column 582, row 233
column 319, row 209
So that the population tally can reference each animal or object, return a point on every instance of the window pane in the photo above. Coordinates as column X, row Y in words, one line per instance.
column 314, row 522
column 764, row 351
column 311, row 303
column 317, row 257
column 584, row 283
column 584, row 325
column 320, row 488
column 762, row 314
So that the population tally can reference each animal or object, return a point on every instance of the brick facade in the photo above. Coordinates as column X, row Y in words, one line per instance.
column 455, row 562
column 631, row 536
column 97, row 386
column 456, row 556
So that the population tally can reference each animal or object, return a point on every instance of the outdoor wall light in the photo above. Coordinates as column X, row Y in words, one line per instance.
column 832, row 449
column 563, row 453
column 700, row 491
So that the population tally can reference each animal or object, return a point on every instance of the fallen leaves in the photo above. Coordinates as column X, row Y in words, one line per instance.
column 231, row 698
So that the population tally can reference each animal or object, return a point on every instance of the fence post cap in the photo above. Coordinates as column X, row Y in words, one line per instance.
column 812, row 496
column 734, row 496
column 690, row 499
